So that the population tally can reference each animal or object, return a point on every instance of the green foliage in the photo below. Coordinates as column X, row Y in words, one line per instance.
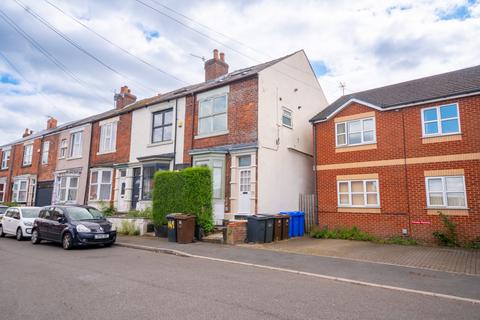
column 475, row 244
column 404, row 241
column 449, row 237
column 342, row 233
column 128, row 229
column 107, row 209
column 9, row 204
column 187, row 191
column 147, row 213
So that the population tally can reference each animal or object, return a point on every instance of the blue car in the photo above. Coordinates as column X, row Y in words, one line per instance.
column 73, row 226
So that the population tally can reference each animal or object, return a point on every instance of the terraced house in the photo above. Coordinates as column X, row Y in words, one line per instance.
column 389, row 160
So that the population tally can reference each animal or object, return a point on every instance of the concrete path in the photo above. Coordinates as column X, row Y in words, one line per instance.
column 436, row 258
column 461, row 285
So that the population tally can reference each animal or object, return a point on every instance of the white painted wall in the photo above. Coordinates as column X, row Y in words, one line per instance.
column 283, row 174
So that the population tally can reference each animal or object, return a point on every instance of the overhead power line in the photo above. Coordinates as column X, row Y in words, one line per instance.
column 77, row 46
column 145, row 62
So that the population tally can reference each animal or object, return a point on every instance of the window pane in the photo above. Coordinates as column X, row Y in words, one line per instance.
column 341, row 128
column 94, row 177
column 205, row 108
column 93, row 192
column 368, row 136
column 368, row 124
column 357, row 186
column 341, row 139
column 217, row 182
column 72, row 194
column 244, row 161
column 430, row 115
column 287, row 121
column 62, row 194
column 220, row 122
column 449, row 126
column 448, row 111
column 168, row 117
column 106, row 176
column 435, row 185
column 157, row 134
column 371, row 186
column 105, row 192
column 167, row 133
column 343, row 187
column 456, row 199
column 436, row 199
column 220, row 104
column 355, row 126
column 371, row 198
column 205, row 125
column 63, row 182
column 344, row 198
column 431, row 128
column 358, row 200
column 354, row 138
column 157, row 119
column 454, row 184
column 73, row 182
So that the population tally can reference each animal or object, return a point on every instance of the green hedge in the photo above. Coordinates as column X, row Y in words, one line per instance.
column 187, row 191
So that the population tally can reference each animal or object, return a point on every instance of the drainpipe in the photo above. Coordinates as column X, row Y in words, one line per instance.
column 10, row 175
column 406, row 172
column 175, row 140
column 315, row 171
column 87, row 188
column 193, row 128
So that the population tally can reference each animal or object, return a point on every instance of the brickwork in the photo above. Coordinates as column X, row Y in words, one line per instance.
column 403, row 201
column 236, row 232
column 45, row 172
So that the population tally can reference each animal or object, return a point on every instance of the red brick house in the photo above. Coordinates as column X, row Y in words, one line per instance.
column 388, row 160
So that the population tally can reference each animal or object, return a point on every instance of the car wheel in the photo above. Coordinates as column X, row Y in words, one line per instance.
column 35, row 237
column 2, row 234
column 19, row 234
column 67, row 241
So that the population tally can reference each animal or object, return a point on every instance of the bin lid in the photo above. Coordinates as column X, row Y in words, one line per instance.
column 173, row 215
column 184, row 216
column 258, row 217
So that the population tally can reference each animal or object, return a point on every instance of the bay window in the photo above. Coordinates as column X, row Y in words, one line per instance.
column 100, row 185
column 19, row 192
column 147, row 177
column 67, row 187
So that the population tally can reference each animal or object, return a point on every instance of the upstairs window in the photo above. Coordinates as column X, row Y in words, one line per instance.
column 108, row 137
column 45, row 150
column 5, row 159
column 63, row 148
column 76, row 144
column 358, row 193
column 287, row 118
column 27, row 154
column 446, row 192
column 212, row 115
column 441, row 120
column 162, row 126
column 355, row 132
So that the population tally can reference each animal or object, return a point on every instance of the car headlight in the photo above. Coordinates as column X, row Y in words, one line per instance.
column 82, row 228
column 27, row 223
column 113, row 228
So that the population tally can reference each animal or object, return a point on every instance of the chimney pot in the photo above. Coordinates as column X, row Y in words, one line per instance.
column 52, row 123
column 215, row 54
column 222, row 56
column 215, row 67
column 26, row 133
column 124, row 98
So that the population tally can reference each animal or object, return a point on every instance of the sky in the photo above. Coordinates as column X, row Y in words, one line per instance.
column 66, row 59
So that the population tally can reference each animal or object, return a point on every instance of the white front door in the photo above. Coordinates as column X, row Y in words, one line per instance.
column 122, row 204
column 245, row 191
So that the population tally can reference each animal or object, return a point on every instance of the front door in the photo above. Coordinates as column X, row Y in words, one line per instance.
column 122, row 189
column 245, row 191
column 136, row 180
column 44, row 194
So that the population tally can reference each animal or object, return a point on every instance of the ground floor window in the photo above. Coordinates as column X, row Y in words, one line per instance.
column 446, row 192
column 19, row 192
column 358, row 193
column 2, row 192
column 218, row 174
column 67, row 187
column 101, row 185
column 147, row 178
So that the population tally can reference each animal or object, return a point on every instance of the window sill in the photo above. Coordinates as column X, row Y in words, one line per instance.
column 447, row 211
column 442, row 138
column 357, row 147
column 26, row 165
column 74, row 158
column 286, row 126
column 213, row 134
column 156, row 144
column 359, row 209
column 105, row 152
column 4, row 169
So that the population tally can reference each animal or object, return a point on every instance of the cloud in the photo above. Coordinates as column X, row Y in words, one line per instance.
column 365, row 43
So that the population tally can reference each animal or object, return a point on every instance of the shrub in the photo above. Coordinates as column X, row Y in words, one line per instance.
column 128, row 228
column 342, row 233
column 147, row 213
column 187, row 191
column 9, row 204
column 107, row 209
column 404, row 241
column 449, row 237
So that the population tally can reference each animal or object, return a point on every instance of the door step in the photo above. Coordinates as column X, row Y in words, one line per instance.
column 216, row 237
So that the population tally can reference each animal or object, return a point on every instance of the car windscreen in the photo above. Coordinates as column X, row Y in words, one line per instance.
column 30, row 212
column 78, row 213
column 3, row 209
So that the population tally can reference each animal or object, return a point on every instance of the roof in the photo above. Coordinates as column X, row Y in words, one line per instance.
column 459, row 82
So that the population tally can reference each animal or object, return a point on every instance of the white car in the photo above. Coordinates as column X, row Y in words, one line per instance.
column 18, row 221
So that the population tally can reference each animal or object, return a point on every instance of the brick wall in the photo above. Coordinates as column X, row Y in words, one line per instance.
column 18, row 168
column 402, row 187
column 45, row 172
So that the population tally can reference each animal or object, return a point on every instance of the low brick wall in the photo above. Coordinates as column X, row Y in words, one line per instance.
column 236, row 232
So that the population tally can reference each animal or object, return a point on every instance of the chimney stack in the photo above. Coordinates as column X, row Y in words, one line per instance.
column 27, row 132
column 124, row 98
column 51, row 123
column 215, row 67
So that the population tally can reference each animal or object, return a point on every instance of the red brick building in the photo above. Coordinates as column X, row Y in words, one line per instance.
column 388, row 160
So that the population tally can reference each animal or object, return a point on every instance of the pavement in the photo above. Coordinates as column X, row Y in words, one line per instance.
column 407, row 277
column 45, row 282
column 457, row 260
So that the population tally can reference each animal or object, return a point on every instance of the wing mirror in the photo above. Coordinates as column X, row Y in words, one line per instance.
column 61, row 219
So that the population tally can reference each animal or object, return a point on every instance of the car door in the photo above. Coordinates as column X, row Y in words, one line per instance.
column 7, row 220
column 43, row 224
column 15, row 221
column 57, row 227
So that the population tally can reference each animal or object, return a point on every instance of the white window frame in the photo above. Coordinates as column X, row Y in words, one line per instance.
column 365, row 193
column 287, row 113
column 3, row 192
column 63, row 151
column 108, row 137
column 215, row 163
column 67, row 188
column 212, row 115
column 45, row 151
column 27, row 155
column 99, row 183
column 16, row 190
column 439, row 121
column 445, row 192
column 362, row 131
column 5, row 159
column 76, row 145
